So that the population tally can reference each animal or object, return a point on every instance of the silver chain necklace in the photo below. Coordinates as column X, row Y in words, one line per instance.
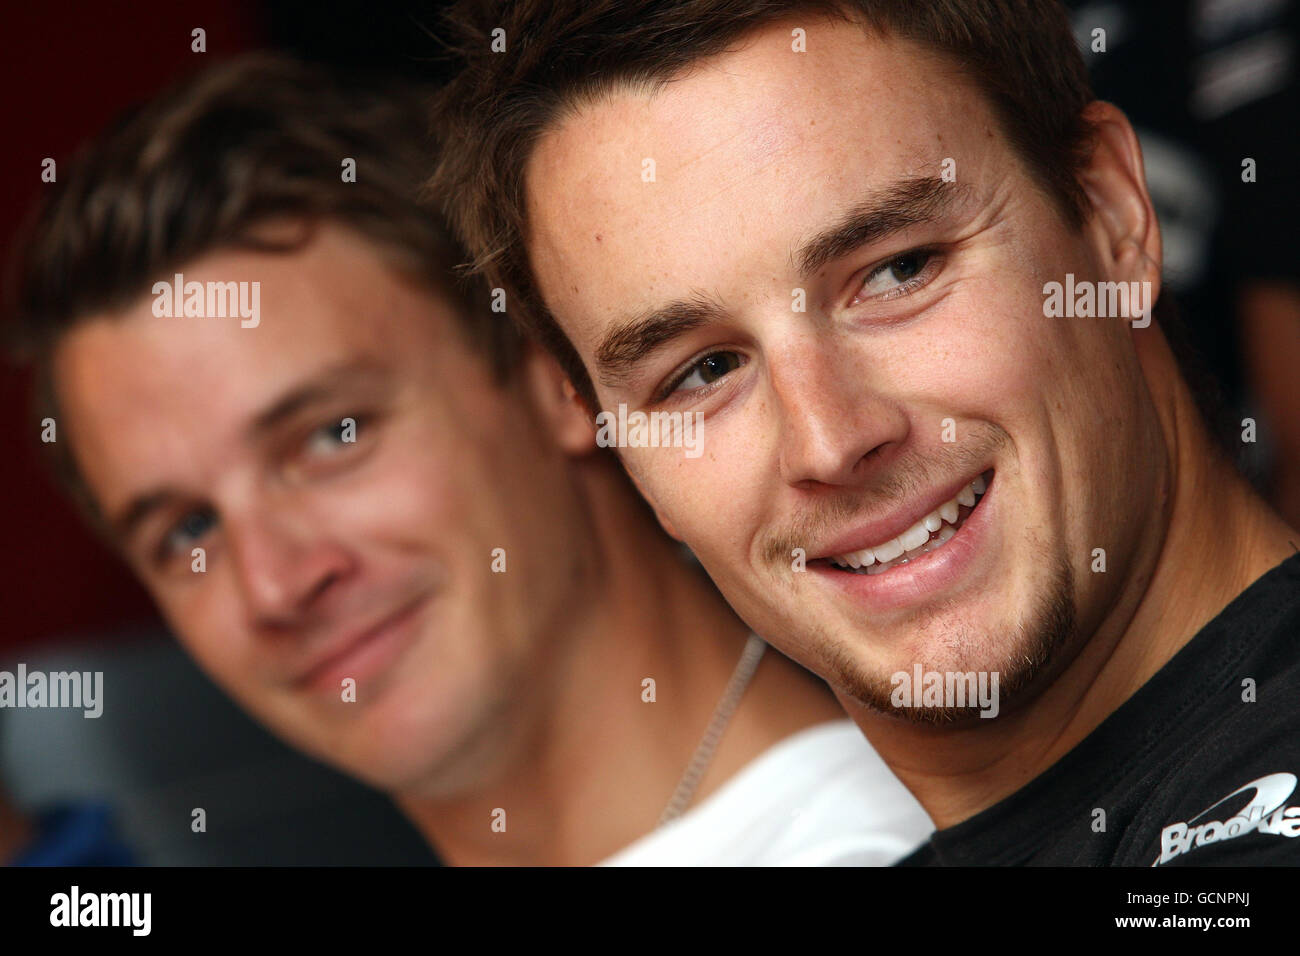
column 740, row 678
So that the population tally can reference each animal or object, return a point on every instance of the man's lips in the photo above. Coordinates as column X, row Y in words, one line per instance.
column 950, row 562
column 877, row 532
column 340, row 651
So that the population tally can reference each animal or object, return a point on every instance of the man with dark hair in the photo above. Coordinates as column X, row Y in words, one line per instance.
column 373, row 516
column 904, row 268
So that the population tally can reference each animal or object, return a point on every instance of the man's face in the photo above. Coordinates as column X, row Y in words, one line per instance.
column 329, row 559
column 770, row 240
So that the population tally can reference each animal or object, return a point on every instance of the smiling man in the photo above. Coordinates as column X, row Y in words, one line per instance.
column 376, row 520
column 998, row 526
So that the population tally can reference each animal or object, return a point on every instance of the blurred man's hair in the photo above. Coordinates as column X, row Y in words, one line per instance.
column 203, row 167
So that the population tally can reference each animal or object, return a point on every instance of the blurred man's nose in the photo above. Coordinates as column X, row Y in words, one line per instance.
column 284, row 562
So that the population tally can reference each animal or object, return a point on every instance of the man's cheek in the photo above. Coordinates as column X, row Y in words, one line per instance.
column 1005, row 362
column 718, row 529
column 394, row 500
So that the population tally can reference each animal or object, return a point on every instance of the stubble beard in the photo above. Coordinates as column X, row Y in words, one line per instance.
column 1039, row 639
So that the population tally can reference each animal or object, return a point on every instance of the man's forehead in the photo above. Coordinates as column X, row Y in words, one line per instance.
column 754, row 143
column 762, row 99
column 214, row 359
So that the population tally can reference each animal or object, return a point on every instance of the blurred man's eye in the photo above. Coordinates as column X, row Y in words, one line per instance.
column 183, row 535
column 335, row 437
column 330, row 446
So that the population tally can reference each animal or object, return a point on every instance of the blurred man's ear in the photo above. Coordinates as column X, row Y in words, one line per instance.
column 569, row 421
column 557, row 403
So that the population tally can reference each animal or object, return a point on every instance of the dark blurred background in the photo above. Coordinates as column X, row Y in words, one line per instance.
column 1207, row 83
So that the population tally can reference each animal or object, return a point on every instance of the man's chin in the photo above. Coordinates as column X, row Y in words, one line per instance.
column 960, row 675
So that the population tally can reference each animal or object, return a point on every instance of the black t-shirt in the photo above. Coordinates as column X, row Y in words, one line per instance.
column 1190, row 770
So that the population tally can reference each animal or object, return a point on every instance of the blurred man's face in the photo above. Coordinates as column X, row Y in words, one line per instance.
column 329, row 559
column 853, row 381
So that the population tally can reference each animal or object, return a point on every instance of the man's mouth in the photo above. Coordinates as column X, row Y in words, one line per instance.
column 928, row 534
column 364, row 651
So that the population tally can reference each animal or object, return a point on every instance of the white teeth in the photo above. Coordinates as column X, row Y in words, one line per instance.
column 943, row 520
column 858, row 559
column 914, row 536
column 889, row 550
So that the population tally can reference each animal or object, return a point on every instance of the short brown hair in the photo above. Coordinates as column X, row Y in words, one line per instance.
column 1021, row 55
column 259, row 138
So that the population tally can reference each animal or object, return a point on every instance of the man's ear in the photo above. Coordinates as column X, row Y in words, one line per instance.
column 1123, row 222
column 561, row 411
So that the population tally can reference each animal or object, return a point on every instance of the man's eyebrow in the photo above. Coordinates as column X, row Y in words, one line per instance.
column 319, row 387
column 907, row 202
column 629, row 343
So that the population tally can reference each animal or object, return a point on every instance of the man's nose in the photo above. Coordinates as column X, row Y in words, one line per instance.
column 284, row 563
column 833, row 415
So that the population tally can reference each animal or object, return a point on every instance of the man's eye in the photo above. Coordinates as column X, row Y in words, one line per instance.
column 707, row 371
column 897, row 276
column 332, row 437
column 192, row 526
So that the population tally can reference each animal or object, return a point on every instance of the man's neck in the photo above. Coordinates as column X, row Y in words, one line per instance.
column 1218, row 538
column 590, row 762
